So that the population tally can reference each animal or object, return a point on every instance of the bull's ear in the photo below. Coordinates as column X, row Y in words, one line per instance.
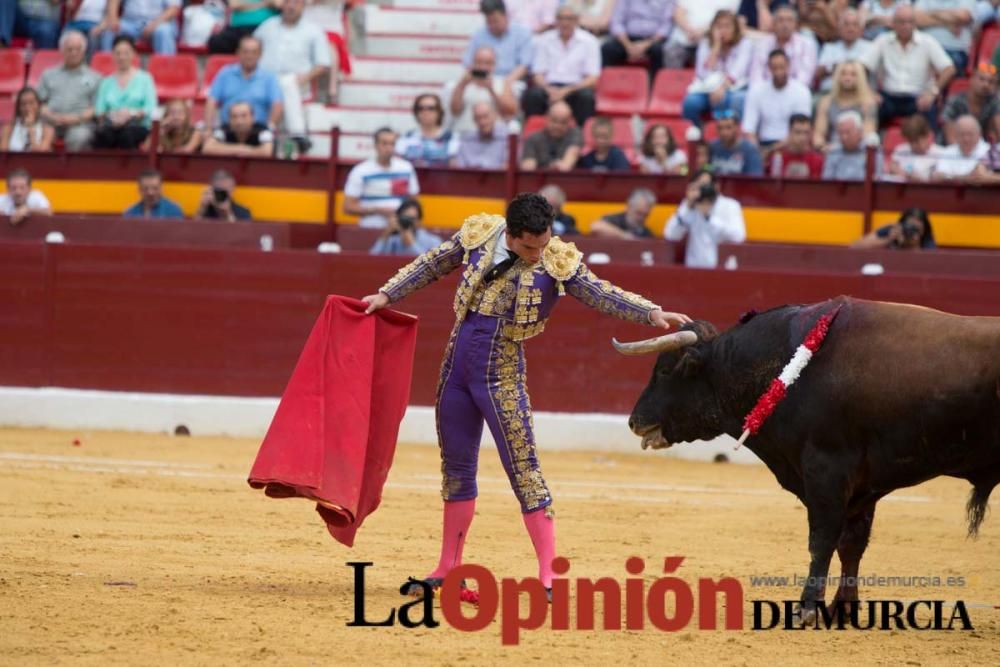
column 690, row 363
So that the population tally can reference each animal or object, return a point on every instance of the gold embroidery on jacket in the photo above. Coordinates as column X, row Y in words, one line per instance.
column 561, row 259
column 609, row 299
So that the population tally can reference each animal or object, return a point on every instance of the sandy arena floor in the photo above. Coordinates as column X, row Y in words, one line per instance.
column 139, row 549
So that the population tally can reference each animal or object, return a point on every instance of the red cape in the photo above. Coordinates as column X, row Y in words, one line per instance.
column 334, row 433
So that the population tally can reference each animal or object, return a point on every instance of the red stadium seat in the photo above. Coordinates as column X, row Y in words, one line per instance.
column 42, row 60
column 11, row 71
column 532, row 124
column 957, row 86
column 988, row 43
column 622, row 91
column 175, row 76
column 668, row 92
column 6, row 109
column 892, row 138
column 212, row 66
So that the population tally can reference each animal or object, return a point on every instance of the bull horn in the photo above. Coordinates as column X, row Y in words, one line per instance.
column 672, row 341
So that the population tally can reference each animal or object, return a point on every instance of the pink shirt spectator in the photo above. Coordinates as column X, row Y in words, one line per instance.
column 801, row 52
column 735, row 64
column 567, row 63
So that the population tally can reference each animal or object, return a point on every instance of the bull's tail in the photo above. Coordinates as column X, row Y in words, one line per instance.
column 979, row 499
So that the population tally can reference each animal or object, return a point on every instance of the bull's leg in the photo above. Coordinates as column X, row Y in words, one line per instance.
column 852, row 545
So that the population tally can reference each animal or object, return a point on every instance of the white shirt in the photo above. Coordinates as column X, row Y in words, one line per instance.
column 834, row 53
column 471, row 96
column 567, row 63
column 953, row 164
column 294, row 49
column 723, row 225
column 91, row 10
column 768, row 109
column 36, row 200
column 916, row 166
column 906, row 71
column 701, row 12
column 382, row 187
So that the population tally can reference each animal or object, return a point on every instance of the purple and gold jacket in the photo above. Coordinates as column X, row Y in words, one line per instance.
column 524, row 296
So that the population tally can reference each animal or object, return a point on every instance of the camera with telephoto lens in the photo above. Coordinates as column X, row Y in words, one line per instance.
column 911, row 232
column 220, row 195
column 706, row 193
column 406, row 222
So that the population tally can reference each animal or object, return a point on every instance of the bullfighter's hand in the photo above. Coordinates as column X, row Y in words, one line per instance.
column 664, row 320
column 375, row 302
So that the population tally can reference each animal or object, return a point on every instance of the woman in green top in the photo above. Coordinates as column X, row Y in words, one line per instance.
column 125, row 101
column 244, row 17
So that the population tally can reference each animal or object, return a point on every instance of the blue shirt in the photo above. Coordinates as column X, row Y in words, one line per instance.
column 616, row 161
column 513, row 48
column 393, row 244
column 163, row 209
column 744, row 159
column 260, row 89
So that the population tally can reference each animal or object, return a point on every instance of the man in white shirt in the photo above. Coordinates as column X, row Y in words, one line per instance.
column 707, row 218
column 21, row 201
column 912, row 66
column 770, row 104
column 566, row 68
column 960, row 159
column 479, row 84
column 375, row 187
column 850, row 46
column 950, row 23
column 801, row 50
column 298, row 53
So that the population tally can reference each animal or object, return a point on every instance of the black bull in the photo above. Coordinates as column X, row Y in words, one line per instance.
column 896, row 395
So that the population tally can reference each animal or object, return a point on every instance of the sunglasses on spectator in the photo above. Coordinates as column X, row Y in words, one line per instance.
column 724, row 114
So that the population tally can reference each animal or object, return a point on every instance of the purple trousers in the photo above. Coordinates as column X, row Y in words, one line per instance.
column 483, row 377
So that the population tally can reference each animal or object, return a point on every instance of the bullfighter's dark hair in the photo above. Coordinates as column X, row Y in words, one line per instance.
column 529, row 212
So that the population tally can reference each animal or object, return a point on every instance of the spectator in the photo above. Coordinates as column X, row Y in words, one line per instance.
column 38, row 20
column 566, row 67
column 702, row 157
column 986, row 11
column 21, row 200
column 850, row 92
column 26, row 132
column 152, row 203
column 430, row 144
column 153, row 21
column 847, row 161
column 722, row 69
column 797, row 158
column 755, row 16
column 950, row 23
column 595, row 15
column 536, row 15
column 91, row 18
column 959, row 159
column 639, row 29
column 478, row 84
column 707, row 218
column 68, row 93
column 850, row 46
column 980, row 100
column 630, row 223
column 177, row 132
column 914, row 159
column 988, row 171
column 405, row 233
column 298, row 52
column 801, row 50
column 876, row 15
column 511, row 42
column 486, row 146
column 731, row 153
column 557, row 146
column 376, row 187
column 605, row 156
column 217, row 201
column 244, row 17
column 660, row 153
column 912, row 231
column 563, row 224
column 125, row 102
column 241, row 136
column 821, row 18
column 772, row 102
column 905, row 60
column 692, row 19
column 245, row 81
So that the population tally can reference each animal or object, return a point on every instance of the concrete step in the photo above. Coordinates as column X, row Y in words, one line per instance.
column 421, row 21
column 366, row 68
column 359, row 120
column 413, row 46
column 394, row 95
column 460, row 5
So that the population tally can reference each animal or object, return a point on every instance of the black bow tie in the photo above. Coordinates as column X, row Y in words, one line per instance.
column 501, row 268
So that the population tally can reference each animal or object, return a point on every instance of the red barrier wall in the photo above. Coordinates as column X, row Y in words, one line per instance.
column 232, row 321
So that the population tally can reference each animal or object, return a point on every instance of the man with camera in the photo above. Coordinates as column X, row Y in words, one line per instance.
column 478, row 84
column 217, row 200
column 405, row 234
column 707, row 218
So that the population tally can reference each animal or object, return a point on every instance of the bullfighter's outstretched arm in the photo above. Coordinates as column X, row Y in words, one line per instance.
column 425, row 269
column 609, row 299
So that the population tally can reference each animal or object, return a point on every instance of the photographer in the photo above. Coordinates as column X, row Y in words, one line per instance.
column 217, row 200
column 405, row 235
column 912, row 231
column 707, row 218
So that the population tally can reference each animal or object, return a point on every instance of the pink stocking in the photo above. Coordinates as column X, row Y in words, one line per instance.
column 457, row 518
column 542, row 529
